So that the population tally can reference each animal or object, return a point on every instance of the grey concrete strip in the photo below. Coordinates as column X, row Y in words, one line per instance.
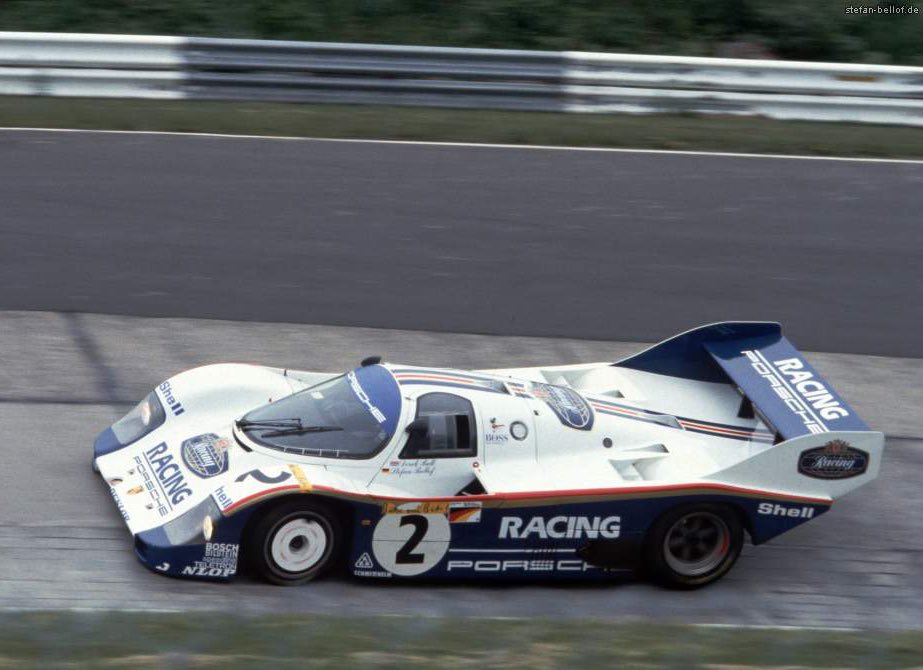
column 499, row 240
column 41, row 360
column 106, row 379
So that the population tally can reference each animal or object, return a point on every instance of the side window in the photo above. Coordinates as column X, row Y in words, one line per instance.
column 451, row 431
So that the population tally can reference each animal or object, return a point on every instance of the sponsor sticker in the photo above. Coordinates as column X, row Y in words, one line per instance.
column 520, row 565
column 775, row 509
column 415, row 508
column 163, row 478
column 206, row 455
column 119, row 504
column 166, row 391
column 371, row 573
column 835, row 460
column 222, row 499
column 365, row 562
column 497, row 433
column 560, row 527
column 818, row 396
column 568, row 405
column 153, row 490
column 218, row 560
column 364, row 398
column 803, row 394
column 465, row 512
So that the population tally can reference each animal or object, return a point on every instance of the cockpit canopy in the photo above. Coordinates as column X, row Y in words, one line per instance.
column 351, row 416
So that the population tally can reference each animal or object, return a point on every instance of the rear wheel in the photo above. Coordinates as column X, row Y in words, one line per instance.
column 295, row 542
column 694, row 545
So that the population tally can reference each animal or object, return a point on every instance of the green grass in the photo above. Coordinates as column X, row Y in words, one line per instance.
column 403, row 123
column 138, row 641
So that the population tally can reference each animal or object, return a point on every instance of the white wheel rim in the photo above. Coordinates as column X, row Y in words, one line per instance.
column 298, row 545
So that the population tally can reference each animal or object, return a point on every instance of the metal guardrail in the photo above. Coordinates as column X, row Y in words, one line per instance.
column 223, row 69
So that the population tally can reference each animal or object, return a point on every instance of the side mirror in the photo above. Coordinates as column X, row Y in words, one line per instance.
column 370, row 360
column 418, row 427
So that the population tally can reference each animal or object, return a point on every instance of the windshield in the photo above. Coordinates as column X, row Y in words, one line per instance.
column 351, row 416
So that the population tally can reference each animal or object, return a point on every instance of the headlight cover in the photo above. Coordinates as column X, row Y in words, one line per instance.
column 146, row 416
column 189, row 527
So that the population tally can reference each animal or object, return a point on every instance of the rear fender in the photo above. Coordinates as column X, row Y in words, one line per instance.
column 823, row 466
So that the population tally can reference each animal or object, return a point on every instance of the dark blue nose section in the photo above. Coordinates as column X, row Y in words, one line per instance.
column 106, row 443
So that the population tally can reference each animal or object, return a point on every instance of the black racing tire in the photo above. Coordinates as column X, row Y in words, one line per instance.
column 693, row 545
column 294, row 542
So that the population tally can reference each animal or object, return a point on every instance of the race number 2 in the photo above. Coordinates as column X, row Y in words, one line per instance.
column 405, row 555
column 410, row 544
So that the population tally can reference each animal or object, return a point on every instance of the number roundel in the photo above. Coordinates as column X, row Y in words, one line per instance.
column 411, row 544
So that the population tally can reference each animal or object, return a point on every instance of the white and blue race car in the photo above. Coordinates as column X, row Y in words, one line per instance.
column 661, row 462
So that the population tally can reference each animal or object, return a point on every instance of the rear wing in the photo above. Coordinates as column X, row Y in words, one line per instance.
column 784, row 389
column 788, row 391
column 823, row 448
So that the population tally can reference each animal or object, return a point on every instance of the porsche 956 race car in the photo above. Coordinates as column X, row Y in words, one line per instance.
column 661, row 462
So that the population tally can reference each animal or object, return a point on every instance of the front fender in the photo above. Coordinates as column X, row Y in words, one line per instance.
column 225, row 389
column 215, row 559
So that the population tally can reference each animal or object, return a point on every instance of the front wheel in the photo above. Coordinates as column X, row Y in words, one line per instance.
column 295, row 542
column 694, row 545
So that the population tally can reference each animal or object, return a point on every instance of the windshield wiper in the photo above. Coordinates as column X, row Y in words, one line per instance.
column 300, row 430
column 243, row 424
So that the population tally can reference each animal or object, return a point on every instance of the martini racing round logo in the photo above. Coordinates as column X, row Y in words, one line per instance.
column 567, row 404
column 834, row 460
column 206, row 455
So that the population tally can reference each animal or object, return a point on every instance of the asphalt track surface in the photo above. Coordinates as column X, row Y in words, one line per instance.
column 63, row 377
column 497, row 240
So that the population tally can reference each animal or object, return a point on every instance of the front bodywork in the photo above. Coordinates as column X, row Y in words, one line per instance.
column 571, row 466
